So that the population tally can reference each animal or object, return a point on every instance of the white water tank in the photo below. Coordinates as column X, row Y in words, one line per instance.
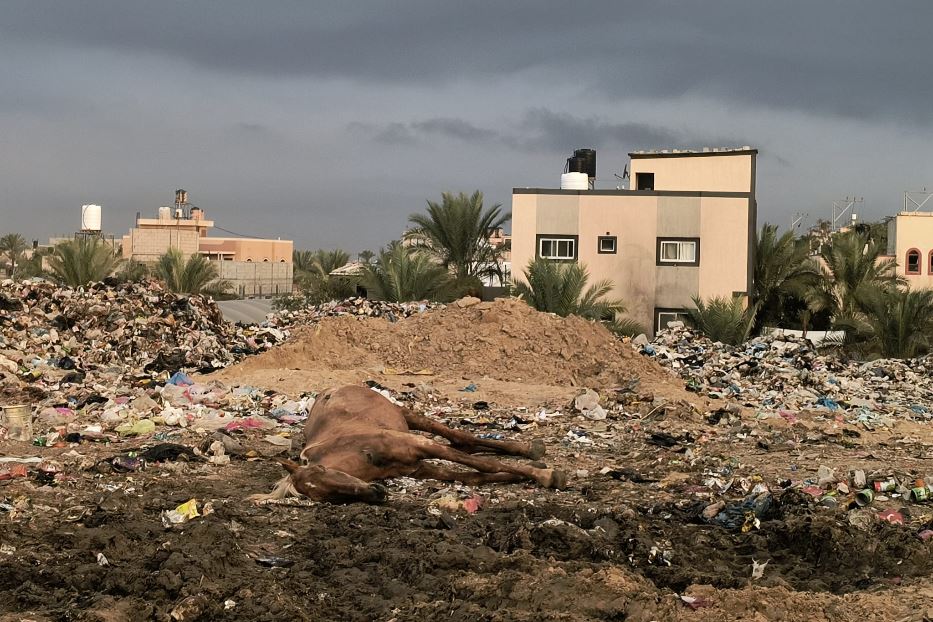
column 90, row 218
column 165, row 213
column 574, row 181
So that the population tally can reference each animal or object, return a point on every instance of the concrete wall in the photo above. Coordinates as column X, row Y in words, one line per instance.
column 256, row 278
column 246, row 249
column 714, row 172
column 149, row 244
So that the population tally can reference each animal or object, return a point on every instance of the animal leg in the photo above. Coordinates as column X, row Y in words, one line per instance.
column 470, row 478
column 549, row 478
column 468, row 443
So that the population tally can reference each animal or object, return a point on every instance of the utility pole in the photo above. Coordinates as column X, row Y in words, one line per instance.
column 840, row 208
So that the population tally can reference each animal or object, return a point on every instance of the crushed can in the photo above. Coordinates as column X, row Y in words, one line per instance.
column 919, row 493
column 864, row 497
column 888, row 485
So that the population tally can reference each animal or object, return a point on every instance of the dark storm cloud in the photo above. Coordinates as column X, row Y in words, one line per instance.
column 538, row 129
column 856, row 58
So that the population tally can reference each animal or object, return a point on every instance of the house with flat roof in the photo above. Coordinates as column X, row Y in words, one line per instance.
column 686, row 228
column 253, row 266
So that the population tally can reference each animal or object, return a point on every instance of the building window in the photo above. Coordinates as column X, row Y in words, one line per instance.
column 248, row 259
column 644, row 181
column 913, row 261
column 663, row 316
column 678, row 251
column 560, row 247
column 930, row 264
column 607, row 245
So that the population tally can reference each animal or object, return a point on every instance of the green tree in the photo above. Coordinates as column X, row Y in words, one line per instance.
column 893, row 323
column 366, row 256
column 561, row 288
column 853, row 269
column 194, row 275
column 456, row 233
column 784, row 272
column 324, row 262
column 401, row 274
column 12, row 247
column 85, row 260
column 722, row 319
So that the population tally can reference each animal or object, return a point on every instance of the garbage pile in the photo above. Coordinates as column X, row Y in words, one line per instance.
column 53, row 336
column 786, row 373
column 359, row 307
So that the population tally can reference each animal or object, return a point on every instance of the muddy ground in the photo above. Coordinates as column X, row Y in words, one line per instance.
column 610, row 547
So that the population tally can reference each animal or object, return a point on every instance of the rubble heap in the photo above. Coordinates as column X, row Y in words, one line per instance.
column 51, row 335
column 788, row 373
column 357, row 307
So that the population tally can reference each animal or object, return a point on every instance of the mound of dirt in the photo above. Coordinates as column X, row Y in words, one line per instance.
column 504, row 340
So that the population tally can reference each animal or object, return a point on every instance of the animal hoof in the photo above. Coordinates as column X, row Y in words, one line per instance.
column 379, row 493
column 558, row 480
column 537, row 449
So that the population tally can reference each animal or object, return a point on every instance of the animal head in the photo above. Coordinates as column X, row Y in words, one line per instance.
column 316, row 481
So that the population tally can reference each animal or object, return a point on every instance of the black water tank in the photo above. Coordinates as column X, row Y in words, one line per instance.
column 576, row 165
column 589, row 161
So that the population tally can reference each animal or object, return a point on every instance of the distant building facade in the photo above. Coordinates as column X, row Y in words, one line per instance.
column 685, row 229
column 253, row 266
column 910, row 244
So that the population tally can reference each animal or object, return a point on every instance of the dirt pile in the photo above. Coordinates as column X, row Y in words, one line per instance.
column 504, row 340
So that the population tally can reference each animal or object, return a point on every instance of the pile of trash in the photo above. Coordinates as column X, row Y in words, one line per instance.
column 358, row 307
column 62, row 345
column 786, row 373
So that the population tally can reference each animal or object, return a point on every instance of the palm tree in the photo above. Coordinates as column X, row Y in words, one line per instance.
column 783, row 271
column 366, row 256
column 456, row 232
column 558, row 287
column 722, row 319
column 400, row 275
column 853, row 269
column 324, row 262
column 192, row 276
column 894, row 324
column 302, row 261
column 12, row 246
column 86, row 260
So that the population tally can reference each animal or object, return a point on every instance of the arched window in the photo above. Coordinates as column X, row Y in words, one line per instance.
column 913, row 262
column 265, row 261
column 283, row 261
column 248, row 259
column 930, row 264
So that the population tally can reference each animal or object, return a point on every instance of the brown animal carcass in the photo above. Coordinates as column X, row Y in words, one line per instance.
column 355, row 437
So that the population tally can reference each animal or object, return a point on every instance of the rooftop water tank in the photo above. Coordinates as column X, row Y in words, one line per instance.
column 90, row 218
column 574, row 181
column 165, row 213
column 588, row 158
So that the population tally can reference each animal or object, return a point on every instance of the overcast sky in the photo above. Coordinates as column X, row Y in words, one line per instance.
column 329, row 123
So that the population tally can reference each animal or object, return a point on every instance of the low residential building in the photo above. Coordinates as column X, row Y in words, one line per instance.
column 910, row 244
column 685, row 230
column 253, row 266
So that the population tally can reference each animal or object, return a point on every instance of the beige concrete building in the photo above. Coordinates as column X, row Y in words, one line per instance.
column 910, row 244
column 687, row 228
column 254, row 267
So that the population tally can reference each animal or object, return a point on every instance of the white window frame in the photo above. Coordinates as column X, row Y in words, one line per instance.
column 556, row 241
column 613, row 240
column 680, row 245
